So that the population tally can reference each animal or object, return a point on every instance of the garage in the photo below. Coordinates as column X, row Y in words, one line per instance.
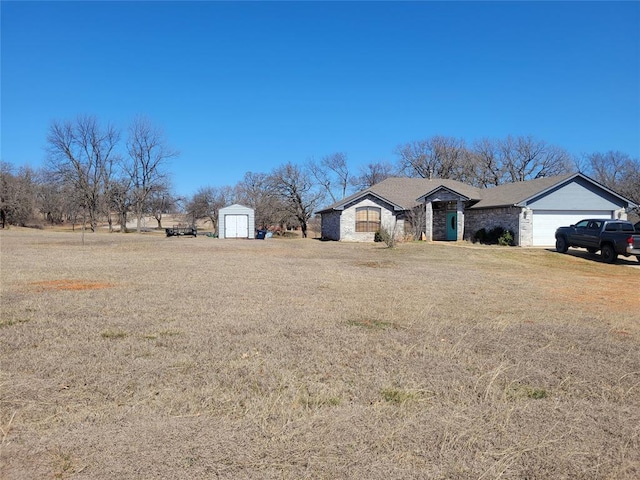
column 236, row 221
column 545, row 222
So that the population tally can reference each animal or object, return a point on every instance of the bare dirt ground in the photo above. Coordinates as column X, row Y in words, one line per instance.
column 140, row 356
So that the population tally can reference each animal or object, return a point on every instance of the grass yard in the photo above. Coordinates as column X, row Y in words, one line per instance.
column 139, row 356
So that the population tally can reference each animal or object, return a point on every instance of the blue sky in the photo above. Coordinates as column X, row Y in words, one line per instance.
column 248, row 86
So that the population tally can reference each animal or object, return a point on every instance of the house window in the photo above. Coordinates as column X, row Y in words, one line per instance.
column 367, row 219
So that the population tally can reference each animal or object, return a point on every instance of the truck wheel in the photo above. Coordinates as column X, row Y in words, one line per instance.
column 609, row 255
column 592, row 250
column 561, row 245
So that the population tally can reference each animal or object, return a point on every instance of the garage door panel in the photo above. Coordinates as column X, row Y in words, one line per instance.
column 545, row 222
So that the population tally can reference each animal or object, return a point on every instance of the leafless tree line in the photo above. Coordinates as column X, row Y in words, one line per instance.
column 87, row 178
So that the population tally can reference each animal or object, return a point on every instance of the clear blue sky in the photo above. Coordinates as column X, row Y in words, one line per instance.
column 249, row 86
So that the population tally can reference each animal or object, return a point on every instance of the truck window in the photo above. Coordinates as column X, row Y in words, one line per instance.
column 611, row 227
column 582, row 224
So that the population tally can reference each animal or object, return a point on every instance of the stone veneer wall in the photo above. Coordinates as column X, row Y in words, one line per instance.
column 505, row 217
column 440, row 224
column 330, row 227
column 348, row 220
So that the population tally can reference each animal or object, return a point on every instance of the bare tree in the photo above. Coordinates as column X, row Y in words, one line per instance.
column 489, row 170
column 617, row 171
column 80, row 153
column 207, row 202
column 51, row 198
column 435, row 157
column 18, row 190
column 524, row 158
column 255, row 191
column 161, row 201
column 119, row 200
column 148, row 156
column 297, row 191
column 371, row 174
column 332, row 174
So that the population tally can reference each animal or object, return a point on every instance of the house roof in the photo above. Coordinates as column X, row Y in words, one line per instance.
column 405, row 193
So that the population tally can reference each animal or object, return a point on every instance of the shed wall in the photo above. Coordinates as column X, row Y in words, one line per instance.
column 236, row 210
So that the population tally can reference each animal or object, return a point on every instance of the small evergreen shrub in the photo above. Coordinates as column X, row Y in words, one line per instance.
column 506, row 239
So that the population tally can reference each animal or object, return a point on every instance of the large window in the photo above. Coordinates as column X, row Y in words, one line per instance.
column 367, row 219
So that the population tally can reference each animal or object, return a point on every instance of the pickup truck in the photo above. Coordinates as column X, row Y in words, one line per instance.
column 611, row 237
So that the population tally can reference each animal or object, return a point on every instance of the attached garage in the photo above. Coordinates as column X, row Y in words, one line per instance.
column 545, row 222
column 236, row 221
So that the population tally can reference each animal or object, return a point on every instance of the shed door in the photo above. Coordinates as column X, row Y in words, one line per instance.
column 236, row 226
column 545, row 222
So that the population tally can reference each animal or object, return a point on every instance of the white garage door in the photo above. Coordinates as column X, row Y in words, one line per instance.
column 545, row 222
column 236, row 226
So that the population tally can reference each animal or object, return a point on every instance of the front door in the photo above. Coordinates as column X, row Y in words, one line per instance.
column 452, row 226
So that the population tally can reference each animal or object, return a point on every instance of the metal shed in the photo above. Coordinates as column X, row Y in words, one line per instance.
column 236, row 221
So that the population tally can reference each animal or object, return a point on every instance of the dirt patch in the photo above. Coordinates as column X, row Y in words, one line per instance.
column 69, row 285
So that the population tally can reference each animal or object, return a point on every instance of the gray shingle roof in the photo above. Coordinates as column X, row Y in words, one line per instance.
column 404, row 192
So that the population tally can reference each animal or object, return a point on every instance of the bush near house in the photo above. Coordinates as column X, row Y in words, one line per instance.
column 495, row 236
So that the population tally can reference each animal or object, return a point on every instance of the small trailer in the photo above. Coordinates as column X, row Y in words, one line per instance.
column 177, row 231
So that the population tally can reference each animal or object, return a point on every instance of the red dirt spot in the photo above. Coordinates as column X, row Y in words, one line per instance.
column 70, row 285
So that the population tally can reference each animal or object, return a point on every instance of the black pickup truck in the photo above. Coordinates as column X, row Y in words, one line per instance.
column 611, row 237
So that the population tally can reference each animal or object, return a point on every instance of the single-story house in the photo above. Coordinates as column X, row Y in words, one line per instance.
column 440, row 209
column 236, row 221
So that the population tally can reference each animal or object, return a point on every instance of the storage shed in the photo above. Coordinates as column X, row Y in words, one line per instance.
column 236, row 221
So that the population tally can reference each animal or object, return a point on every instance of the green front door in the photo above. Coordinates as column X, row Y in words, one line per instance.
column 452, row 226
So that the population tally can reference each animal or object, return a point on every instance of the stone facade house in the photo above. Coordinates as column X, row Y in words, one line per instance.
column 440, row 209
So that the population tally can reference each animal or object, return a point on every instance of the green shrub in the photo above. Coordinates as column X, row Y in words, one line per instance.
column 495, row 236
column 506, row 239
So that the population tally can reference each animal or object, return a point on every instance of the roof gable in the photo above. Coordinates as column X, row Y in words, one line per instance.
column 524, row 193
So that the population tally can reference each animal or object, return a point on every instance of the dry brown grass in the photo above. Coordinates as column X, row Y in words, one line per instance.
column 140, row 356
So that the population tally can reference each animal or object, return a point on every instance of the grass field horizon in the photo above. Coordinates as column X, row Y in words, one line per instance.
column 140, row 356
